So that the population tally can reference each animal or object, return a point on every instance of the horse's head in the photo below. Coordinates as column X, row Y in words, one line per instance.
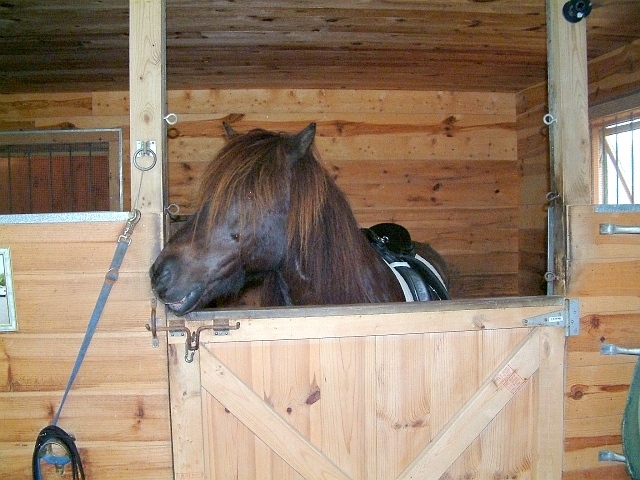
column 239, row 232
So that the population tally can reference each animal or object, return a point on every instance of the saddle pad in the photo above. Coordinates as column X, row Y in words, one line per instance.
column 631, row 427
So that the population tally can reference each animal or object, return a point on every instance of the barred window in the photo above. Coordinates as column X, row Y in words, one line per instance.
column 615, row 148
column 61, row 171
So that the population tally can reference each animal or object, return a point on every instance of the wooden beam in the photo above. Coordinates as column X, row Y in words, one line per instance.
column 569, row 133
column 550, row 406
column 264, row 421
column 147, row 64
column 478, row 412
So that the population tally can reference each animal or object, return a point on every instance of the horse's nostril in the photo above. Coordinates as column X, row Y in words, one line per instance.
column 164, row 276
column 160, row 277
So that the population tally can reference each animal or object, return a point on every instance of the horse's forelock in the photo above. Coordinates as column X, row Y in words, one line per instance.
column 309, row 188
column 249, row 174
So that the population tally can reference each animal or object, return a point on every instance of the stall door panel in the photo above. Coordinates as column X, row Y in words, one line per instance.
column 375, row 407
column 604, row 273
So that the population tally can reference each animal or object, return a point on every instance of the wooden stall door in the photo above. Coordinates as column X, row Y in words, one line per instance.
column 451, row 394
column 604, row 272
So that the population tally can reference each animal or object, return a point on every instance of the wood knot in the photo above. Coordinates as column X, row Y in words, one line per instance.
column 313, row 397
column 577, row 391
column 478, row 321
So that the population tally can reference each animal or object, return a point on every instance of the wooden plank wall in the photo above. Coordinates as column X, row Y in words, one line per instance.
column 533, row 159
column 604, row 275
column 118, row 408
column 443, row 164
column 615, row 74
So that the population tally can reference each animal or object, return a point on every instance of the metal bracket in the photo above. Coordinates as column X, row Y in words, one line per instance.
column 611, row 349
column 569, row 318
column 613, row 229
column 192, row 339
column 609, row 456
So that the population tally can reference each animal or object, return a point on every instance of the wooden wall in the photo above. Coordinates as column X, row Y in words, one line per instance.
column 118, row 407
column 533, row 161
column 615, row 74
column 604, row 275
column 443, row 164
column 446, row 165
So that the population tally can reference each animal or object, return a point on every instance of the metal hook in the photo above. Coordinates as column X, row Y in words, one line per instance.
column 549, row 119
column 171, row 118
column 552, row 197
column 134, row 218
column 172, row 209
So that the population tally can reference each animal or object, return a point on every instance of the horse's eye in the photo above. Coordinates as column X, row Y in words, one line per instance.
column 235, row 237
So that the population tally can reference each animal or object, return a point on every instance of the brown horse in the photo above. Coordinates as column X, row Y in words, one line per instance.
column 270, row 215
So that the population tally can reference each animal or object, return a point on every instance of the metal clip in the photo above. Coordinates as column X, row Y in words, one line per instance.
column 132, row 221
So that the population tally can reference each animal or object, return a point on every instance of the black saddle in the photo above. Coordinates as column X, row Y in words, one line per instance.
column 393, row 242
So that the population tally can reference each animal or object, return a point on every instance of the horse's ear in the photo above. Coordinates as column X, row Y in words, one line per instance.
column 301, row 143
column 229, row 131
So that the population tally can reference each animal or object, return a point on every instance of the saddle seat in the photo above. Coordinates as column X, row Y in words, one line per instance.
column 419, row 279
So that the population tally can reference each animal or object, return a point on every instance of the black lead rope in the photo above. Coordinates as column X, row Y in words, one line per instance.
column 53, row 436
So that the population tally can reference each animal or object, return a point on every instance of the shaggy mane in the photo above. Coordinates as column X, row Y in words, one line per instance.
column 252, row 174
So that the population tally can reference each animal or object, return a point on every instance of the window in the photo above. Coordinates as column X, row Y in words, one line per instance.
column 60, row 171
column 615, row 149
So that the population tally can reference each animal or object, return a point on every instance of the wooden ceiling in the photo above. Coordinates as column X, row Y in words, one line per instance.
column 473, row 45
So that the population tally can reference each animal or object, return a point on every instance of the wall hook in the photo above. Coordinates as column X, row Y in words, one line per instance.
column 576, row 10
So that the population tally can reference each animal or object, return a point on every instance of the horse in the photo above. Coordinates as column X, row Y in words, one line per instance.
column 270, row 216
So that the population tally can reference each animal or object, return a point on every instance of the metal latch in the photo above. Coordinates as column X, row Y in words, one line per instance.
column 611, row 349
column 192, row 339
column 569, row 318
column 612, row 229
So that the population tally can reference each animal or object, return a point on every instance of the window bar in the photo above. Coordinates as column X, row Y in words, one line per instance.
column 621, row 181
column 89, row 181
column 617, row 163
column 51, row 186
column 29, row 189
column 633, row 160
column 72, row 180
column 10, row 180
column 602, row 164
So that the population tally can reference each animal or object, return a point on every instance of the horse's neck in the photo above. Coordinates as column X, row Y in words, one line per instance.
column 366, row 279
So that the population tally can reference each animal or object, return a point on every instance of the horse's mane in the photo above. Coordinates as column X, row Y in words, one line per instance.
column 247, row 174
column 252, row 173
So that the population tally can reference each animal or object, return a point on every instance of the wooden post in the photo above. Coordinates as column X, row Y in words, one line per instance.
column 569, row 132
column 147, row 97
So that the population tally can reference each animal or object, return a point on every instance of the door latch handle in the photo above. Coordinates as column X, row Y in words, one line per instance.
column 612, row 229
